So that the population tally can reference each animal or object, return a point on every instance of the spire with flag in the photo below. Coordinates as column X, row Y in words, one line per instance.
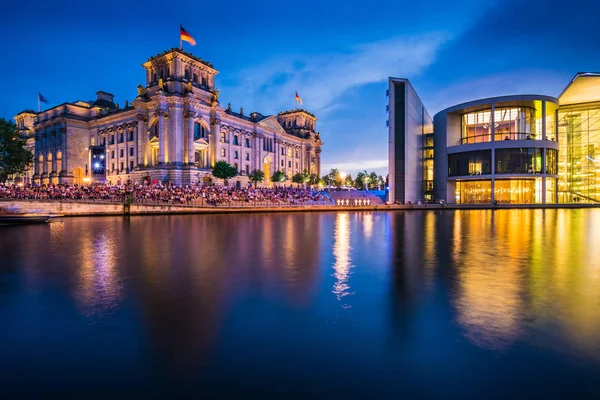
column 41, row 99
column 298, row 99
column 185, row 36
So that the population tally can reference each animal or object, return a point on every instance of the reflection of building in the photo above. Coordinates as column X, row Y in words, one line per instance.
column 174, row 130
column 512, row 149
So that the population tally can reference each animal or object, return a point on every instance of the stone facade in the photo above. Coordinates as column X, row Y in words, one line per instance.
column 174, row 131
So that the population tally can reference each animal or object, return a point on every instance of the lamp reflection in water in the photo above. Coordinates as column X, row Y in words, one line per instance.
column 99, row 287
column 341, row 252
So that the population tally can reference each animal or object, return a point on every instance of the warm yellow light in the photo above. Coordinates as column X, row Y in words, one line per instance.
column 343, row 175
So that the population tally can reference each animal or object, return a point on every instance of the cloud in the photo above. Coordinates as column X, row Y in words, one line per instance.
column 322, row 79
column 378, row 165
column 529, row 81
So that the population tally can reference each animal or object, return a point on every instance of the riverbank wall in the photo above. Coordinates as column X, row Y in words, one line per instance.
column 81, row 208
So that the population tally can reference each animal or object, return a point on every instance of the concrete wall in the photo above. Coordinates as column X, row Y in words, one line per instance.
column 408, row 121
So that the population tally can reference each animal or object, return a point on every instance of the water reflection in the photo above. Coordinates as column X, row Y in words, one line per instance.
column 341, row 252
column 223, row 298
column 99, row 287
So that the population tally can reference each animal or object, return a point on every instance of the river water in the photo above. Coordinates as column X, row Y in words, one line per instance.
column 453, row 304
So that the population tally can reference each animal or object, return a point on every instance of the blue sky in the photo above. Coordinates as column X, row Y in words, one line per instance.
column 337, row 54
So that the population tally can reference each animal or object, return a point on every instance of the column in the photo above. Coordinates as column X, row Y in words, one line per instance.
column 493, row 121
column 127, row 144
column 65, row 152
column 176, row 135
column 493, row 194
column 318, row 163
column 191, row 155
column 302, row 158
column 213, row 140
column 54, row 161
column 161, row 136
column 117, row 157
column 544, row 122
column 544, row 161
column 142, row 140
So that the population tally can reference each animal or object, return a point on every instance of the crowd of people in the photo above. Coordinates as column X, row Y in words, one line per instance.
column 165, row 194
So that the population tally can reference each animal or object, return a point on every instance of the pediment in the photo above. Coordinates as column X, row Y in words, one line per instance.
column 271, row 124
column 201, row 141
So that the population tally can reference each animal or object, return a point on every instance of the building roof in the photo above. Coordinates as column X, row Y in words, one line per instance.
column 185, row 53
column 298, row 110
column 583, row 88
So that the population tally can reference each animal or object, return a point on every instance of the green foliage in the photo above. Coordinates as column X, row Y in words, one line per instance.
column 334, row 178
column 257, row 176
column 278, row 177
column 302, row 177
column 362, row 180
column 14, row 157
column 349, row 181
column 313, row 179
column 223, row 170
column 374, row 180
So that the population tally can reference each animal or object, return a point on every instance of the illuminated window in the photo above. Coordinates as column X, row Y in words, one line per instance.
column 222, row 137
column 223, row 153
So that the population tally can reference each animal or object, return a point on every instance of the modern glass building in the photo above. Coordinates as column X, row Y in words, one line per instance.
column 521, row 149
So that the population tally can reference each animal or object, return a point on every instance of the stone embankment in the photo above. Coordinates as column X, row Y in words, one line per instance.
column 81, row 208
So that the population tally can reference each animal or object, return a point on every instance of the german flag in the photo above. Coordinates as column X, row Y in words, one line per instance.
column 186, row 36
column 298, row 99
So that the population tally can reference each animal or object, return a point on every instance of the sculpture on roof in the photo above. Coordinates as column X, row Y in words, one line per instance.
column 229, row 107
column 241, row 111
column 318, row 137
column 126, row 104
column 189, row 88
column 141, row 90
column 161, row 84
column 215, row 98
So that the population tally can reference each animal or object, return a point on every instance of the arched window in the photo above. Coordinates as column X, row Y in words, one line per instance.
column 197, row 130
column 195, row 78
column 187, row 74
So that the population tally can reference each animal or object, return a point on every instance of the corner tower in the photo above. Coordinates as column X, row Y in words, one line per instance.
column 176, row 71
column 303, row 124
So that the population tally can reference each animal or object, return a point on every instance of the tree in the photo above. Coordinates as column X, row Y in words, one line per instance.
column 301, row 177
column 349, row 181
column 334, row 178
column 278, row 176
column 362, row 180
column 313, row 179
column 374, row 179
column 14, row 157
column 257, row 176
column 224, row 171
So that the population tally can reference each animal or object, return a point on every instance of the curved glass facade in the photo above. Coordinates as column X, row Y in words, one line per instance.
column 512, row 191
column 519, row 161
column 470, row 163
column 510, row 123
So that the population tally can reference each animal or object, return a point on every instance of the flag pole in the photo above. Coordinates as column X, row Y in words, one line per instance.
column 180, row 43
column 38, row 103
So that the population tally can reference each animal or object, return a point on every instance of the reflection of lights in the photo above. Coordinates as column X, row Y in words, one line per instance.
column 341, row 252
